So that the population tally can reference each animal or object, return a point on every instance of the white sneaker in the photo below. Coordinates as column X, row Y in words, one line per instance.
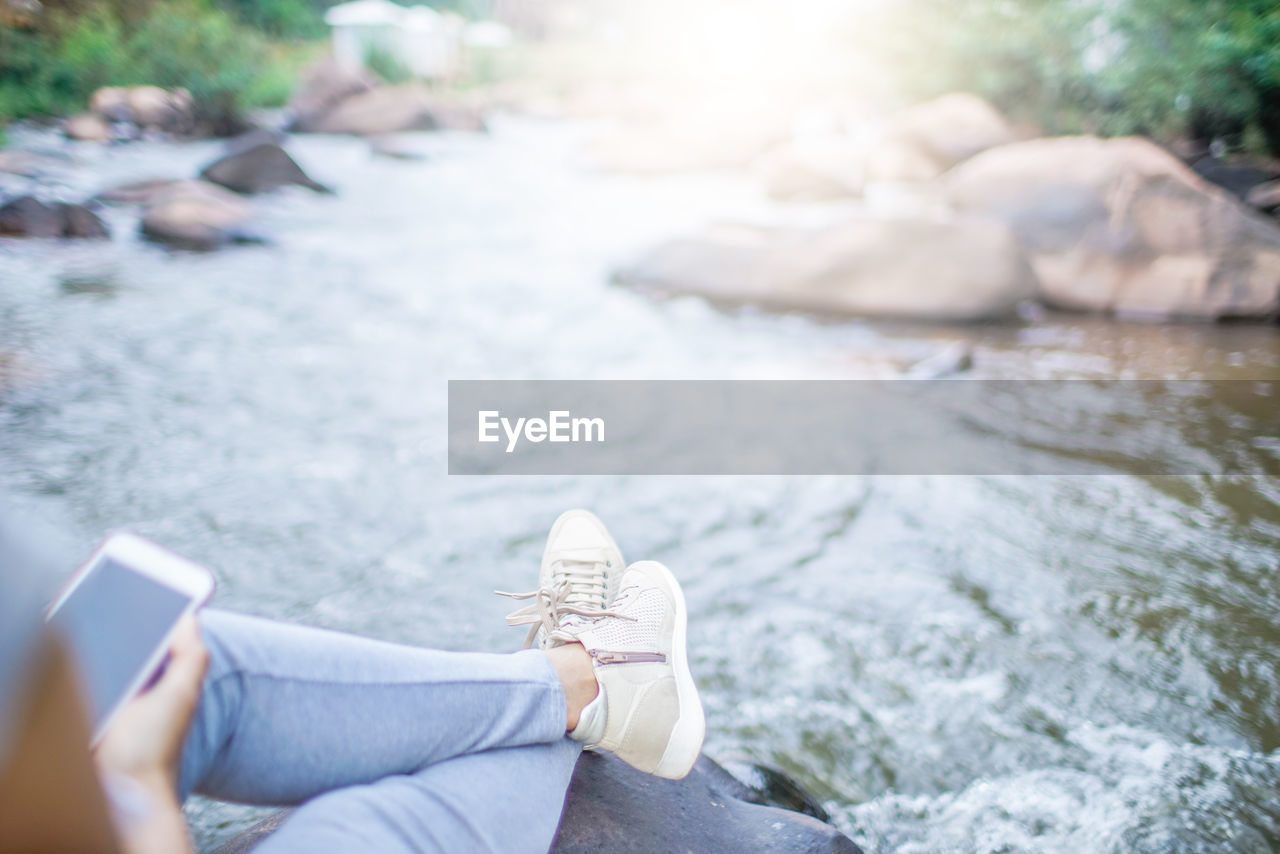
column 647, row 712
column 581, row 568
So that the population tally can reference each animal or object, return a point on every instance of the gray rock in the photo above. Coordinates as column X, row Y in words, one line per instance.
column 613, row 809
column 27, row 216
column 914, row 268
column 818, row 169
column 322, row 87
column 392, row 109
column 922, row 142
column 257, row 168
column 140, row 192
column 33, row 164
column 79, row 221
column 1121, row 225
column 167, row 110
column 197, row 215
column 88, row 127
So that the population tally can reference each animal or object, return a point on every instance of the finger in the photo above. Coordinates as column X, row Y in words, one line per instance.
column 188, row 659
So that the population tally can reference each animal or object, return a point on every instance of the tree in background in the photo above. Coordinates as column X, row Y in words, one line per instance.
column 55, row 58
column 1204, row 69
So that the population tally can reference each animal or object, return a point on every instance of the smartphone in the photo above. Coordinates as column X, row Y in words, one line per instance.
column 118, row 614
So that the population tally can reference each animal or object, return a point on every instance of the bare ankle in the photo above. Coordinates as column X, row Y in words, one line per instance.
column 573, row 665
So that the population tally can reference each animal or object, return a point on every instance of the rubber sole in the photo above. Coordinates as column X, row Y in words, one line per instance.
column 685, row 744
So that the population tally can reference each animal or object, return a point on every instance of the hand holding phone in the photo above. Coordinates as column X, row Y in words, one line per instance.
column 120, row 614
column 144, row 741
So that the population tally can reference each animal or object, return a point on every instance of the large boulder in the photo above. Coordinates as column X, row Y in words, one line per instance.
column 27, row 216
column 140, row 192
column 918, row 268
column 391, row 109
column 170, row 110
column 33, row 164
column 111, row 103
column 613, row 809
column 79, row 221
column 197, row 215
column 148, row 107
column 87, row 127
column 816, row 169
column 1122, row 225
column 924, row 141
column 322, row 87
column 256, row 167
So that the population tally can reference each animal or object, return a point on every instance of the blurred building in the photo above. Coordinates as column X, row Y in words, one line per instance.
column 425, row 42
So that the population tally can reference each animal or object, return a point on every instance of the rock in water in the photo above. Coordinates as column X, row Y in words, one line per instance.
column 926, row 140
column 613, row 809
column 112, row 104
column 140, row 192
column 391, row 109
column 1121, row 225
column 958, row 270
column 32, row 164
column 29, row 217
column 257, row 168
column 168, row 110
column 87, row 127
column 385, row 110
column 197, row 215
column 79, row 221
column 322, row 87
column 817, row 169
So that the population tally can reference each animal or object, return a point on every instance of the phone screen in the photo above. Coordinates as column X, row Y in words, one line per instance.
column 114, row 620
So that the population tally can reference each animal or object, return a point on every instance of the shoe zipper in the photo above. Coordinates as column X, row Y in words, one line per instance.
column 605, row 657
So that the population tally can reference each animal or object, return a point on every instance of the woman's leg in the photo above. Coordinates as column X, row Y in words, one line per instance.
column 506, row 801
column 290, row 712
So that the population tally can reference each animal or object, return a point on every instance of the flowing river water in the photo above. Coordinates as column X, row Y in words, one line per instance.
column 953, row 664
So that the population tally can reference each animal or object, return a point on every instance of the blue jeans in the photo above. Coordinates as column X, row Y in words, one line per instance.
column 387, row 748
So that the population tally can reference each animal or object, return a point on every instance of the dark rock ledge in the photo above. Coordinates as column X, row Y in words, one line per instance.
column 614, row 809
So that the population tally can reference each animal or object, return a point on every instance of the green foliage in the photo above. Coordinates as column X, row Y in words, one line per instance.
column 1205, row 68
column 1025, row 57
column 284, row 19
column 185, row 44
column 91, row 50
column 227, row 66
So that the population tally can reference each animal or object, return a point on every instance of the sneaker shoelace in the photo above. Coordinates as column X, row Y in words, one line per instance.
column 568, row 631
column 578, row 588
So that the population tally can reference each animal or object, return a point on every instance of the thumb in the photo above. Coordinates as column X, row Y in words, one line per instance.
column 188, row 660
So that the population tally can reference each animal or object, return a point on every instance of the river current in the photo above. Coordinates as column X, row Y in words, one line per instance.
column 953, row 664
